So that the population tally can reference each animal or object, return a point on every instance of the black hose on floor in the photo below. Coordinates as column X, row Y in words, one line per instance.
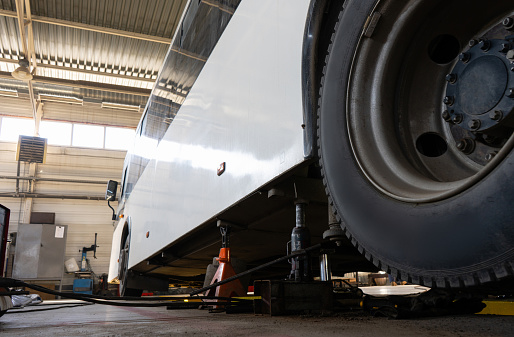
column 115, row 301
column 161, row 302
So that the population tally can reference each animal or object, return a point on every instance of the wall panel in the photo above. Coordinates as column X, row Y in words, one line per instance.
column 83, row 217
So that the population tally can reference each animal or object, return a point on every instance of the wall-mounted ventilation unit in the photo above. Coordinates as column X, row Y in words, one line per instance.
column 31, row 149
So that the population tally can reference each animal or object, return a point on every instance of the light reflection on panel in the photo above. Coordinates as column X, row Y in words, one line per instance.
column 244, row 109
column 200, row 30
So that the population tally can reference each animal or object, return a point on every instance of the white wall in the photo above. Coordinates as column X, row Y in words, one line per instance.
column 83, row 217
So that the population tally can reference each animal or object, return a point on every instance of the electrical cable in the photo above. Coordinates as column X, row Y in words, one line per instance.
column 167, row 301
column 125, row 302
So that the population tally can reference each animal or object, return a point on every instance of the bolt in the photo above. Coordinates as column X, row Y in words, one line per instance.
column 461, row 145
column 457, row 119
column 451, row 78
column 466, row 145
column 510, row 56
column 490, row 155
column 510, row 93
column 505, row 48
column 496, row 115
column 508, row 23
column 474, row 124
column 472, row 43
column 449, row 100
column 485, row 45
column 465, row 57
column 446, row 116
column 489, row 139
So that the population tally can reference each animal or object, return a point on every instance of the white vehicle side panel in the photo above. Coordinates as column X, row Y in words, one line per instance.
column 245, row 109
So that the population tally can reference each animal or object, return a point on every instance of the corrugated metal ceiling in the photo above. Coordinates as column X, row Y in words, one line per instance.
column 119, row 43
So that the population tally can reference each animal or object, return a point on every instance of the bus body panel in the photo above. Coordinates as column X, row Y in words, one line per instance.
column 244, row 112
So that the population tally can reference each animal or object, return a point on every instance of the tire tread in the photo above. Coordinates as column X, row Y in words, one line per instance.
column 455, row 281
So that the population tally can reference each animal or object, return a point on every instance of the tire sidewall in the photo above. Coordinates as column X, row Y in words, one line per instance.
column 465, row 238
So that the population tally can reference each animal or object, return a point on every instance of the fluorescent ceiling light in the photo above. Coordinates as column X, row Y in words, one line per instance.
column 109, row 105
column 60, row 99
column 8, row 92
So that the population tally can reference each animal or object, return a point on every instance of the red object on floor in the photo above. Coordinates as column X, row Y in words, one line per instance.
column 225, row 270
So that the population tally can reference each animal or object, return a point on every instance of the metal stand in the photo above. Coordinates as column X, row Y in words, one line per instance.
column 225, row 270
column 299, row 294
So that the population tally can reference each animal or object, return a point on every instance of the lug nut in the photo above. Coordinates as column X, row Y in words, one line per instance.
column 466, row 145
column 510, row 56
column 449, row 100
column 505, row 48
column 472, row 43
column 489, row 139
column 496, row 115
column 490, row 155
column 474, row 124
column 451, row 78
column 457, row 119
column 510, row 93
column 508, row 23
column 446, row 116
column 465, row 57
column 485, row 45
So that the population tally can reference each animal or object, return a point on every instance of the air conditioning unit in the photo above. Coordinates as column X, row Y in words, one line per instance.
column 31, row 149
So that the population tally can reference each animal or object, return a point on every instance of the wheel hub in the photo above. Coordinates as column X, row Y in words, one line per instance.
column 480, row 99
column 478, row 94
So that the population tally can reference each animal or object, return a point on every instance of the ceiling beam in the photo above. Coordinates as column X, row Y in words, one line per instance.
column 86, row 85
column 83, row 26
column 28, row 47
column 85, row 71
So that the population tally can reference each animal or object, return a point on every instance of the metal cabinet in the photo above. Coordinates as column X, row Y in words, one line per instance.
column 39, row 253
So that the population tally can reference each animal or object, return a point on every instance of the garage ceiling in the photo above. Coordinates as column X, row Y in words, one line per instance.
column 108, row 51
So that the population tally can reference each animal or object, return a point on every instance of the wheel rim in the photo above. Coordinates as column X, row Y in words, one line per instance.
column 421, row 142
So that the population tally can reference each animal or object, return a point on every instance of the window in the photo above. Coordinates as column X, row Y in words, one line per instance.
column 68, row 134
column 12, row 128
column 118, row 138
column 56, row 133
column 88, row 136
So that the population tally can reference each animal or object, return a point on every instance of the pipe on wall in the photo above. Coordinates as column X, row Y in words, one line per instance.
column 51, row 196
column 78, row 181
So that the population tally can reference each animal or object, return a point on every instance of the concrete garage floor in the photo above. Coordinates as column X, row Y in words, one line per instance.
column 103, row 320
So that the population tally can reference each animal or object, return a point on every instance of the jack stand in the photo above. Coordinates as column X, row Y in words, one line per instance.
column 225, row 270
column 300, row 239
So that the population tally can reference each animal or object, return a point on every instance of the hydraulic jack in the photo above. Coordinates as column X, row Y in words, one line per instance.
column 225, row 269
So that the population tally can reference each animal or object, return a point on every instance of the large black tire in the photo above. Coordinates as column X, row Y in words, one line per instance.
column 462, row 236
column 124, row 272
